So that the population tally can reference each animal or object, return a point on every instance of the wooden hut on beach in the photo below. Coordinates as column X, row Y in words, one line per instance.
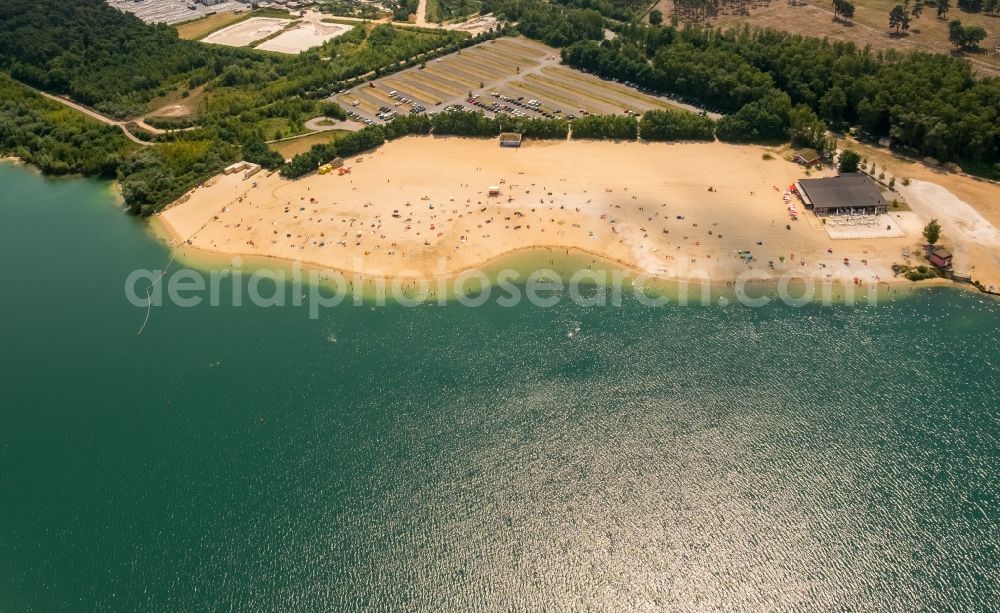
column 510, row 139
column 940, row 257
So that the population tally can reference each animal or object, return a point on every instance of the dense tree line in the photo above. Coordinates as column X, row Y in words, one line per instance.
column 54, row 138
column 613, row 127
column 356, row 142
column 613, row 9
column 805, row 129
column 537, row 127
column 930, row 103
column 762, row 120
column 676, row 125
column 355, row 8
column 552, row 24
column 716, row 78
column 115, row 63
column 256, row 150
column 991, row 7
column 454, row 123
column 466, row 123
column 154, row 176
column 469, row 123
column 96, row 54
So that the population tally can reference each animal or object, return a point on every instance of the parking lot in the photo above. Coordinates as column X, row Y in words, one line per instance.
column 511, row 75
column 173, row 11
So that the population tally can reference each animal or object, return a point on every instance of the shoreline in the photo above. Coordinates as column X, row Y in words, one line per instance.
column 204, row 259
column 621, row 205
column 114, row 186
column 525, row 260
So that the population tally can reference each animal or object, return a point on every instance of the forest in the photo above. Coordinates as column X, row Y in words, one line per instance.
column 770, row 85
column 457, row 123
column 676, row 125
column 116, row 64
column 98, row 55
column 928, row 104
column 54, row 138
column 553, row 24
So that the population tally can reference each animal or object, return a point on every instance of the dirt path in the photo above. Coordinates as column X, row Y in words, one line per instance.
column 422, row 14
column 96, row 116
column 89, row 112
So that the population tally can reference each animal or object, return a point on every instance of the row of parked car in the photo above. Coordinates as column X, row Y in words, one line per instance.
column 502, row 104
column 531, row 105
column 415, row 108
column 358, row 117
column 386, row 113
column 506, row 104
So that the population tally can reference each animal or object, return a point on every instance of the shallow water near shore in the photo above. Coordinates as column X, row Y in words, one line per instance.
column 600, row 281
column 385, row 458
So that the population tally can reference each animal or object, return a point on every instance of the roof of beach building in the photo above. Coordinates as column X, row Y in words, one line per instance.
column 853, row 189
column 944, row 254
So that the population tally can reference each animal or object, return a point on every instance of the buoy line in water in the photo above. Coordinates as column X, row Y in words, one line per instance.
column 149, row 291
column 149, row 308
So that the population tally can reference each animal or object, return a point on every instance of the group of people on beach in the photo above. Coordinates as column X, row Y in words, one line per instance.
column 391, row 228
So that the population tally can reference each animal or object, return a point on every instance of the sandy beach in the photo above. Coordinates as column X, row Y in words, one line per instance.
column 421, row 205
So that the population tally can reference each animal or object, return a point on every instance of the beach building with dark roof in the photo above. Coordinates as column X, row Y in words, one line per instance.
column 851, row 193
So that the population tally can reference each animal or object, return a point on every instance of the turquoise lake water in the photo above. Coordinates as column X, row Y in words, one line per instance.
column 450, row 458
